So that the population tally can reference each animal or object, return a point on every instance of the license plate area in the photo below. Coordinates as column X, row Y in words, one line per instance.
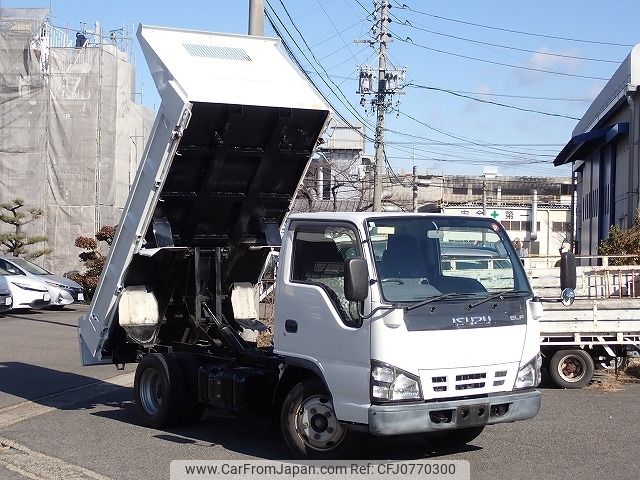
column 467, row 415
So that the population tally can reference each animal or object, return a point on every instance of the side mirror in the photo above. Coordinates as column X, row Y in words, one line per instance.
column 567, row 271
column 567, row 297
column 356, row 279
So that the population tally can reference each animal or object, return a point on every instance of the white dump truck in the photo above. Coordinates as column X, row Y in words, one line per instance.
column 374, row 331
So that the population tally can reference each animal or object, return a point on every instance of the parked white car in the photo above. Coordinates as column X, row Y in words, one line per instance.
column 63, row 291
column 26, row 292
column 6, row 300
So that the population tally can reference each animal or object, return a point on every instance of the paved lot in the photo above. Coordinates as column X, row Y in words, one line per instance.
column 91, row 431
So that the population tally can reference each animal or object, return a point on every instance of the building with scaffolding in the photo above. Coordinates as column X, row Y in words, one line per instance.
column 71, row 133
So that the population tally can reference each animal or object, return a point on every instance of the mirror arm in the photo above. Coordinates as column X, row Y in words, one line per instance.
column 546, row 300
column 375, row 310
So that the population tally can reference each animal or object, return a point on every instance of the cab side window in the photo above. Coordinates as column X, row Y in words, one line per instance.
column 319, row 255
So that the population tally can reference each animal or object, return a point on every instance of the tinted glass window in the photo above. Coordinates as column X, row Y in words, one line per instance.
column 319, row 255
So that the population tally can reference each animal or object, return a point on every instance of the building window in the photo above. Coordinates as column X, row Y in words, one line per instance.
column 460, row 190
column 532, row 247
column 560, row 227
column 519, row 226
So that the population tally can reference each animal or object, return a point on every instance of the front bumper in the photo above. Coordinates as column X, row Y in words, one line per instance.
column 39, row 304
column 63, row 296
column 419, row 417
column 6, row 302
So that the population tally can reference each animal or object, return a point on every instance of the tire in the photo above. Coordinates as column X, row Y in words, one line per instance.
column 453, row 438
column 571, row 368
column 309, row 424
column 159, row 391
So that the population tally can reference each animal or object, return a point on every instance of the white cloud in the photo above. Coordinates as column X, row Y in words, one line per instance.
column 540, row 60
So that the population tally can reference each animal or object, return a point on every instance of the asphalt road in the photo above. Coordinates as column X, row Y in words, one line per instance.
column 586, row 434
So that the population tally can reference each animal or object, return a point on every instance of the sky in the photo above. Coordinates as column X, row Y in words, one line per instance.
column 542, row 62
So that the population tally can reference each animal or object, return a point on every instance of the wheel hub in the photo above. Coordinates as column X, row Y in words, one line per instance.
column 151, row 391
column 317, row 425
column 571, row 369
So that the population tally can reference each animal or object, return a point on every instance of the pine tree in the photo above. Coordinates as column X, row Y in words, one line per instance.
column 17, row 242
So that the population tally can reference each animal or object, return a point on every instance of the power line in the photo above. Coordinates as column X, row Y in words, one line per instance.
column 505, row 95
column 296, row 61
column 457, row 137
column 347, row 104
column 339, row 33
column 519, row 32
column 422, row 28
column 502, row 64
column 525, row 97
column 452, row 144
column 491, row 102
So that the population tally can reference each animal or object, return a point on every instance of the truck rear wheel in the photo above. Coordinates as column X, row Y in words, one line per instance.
column 571, row 368
column 159, row 391
column 309, row 424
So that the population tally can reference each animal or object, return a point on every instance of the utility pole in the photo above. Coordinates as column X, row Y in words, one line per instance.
column 414, row 190
column 256, row 18
column 380, row 106
column 389, row 83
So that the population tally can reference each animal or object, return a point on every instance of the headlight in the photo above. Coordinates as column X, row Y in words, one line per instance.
column 529, row 376
column 30, row 288
column 390, row 384
column 56, row 285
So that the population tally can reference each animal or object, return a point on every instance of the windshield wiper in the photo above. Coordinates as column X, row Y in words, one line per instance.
column 501, row 295
column 437, row 298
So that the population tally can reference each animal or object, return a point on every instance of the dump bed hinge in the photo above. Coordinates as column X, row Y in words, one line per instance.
column 182, row 124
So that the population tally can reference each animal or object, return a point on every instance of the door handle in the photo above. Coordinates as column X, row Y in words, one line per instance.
column 291, row 326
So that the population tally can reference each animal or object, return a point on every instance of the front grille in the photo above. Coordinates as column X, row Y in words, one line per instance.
column 471, row 376
column 467, row 381
column 468, row 386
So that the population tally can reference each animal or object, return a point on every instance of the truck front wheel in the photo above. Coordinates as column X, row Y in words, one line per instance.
column 159, row 391
column 571, row 368
column 309, row 424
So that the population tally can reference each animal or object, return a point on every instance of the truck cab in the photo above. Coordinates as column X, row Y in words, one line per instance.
column 425, row 348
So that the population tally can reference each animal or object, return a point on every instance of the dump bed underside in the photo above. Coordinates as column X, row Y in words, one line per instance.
column 235, row 167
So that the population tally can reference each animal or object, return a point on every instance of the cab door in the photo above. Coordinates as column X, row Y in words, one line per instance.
column 314, row 321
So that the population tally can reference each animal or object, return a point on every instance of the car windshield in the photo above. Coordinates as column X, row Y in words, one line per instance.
column 421, row 257
column 28, row 266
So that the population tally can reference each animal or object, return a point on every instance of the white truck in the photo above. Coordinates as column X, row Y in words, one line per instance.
column 370, row 336
column 601, row 330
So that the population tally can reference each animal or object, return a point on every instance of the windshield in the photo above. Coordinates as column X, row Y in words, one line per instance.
column 28, row 266
column 421, row 257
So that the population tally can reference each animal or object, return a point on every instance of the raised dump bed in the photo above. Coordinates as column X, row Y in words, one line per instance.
column 232, row 139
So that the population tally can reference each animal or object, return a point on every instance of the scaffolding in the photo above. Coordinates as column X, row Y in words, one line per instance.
column 70, row 130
